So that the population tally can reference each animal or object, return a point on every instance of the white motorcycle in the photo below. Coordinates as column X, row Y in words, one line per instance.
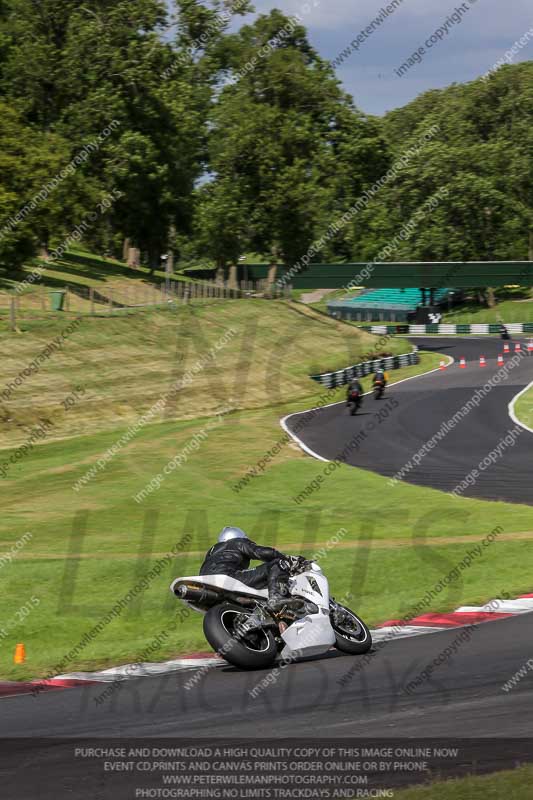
column 240, row 626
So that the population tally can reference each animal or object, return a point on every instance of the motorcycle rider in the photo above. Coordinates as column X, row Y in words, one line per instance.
column 380, row 376
column 354, row 386
column 232, row 555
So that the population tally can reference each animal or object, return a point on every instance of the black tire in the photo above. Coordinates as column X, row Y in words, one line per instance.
column 354, row 638
column 251, row 652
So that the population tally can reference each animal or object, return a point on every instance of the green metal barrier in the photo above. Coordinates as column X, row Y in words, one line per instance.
column 331, row 380
column 395, row 275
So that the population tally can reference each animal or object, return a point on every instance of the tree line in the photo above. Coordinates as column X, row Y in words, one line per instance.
column 215, row 137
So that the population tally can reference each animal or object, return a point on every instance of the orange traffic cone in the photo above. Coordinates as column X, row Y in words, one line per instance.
column 442, row 365
column 462, row 363
column 506, row 348
column 530, row 347
column 482, row 362
column 20, row 654
column 517, row 347
column 500, row 360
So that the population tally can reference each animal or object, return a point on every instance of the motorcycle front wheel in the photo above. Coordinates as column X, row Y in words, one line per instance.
column 249, row 651
column 351, row 633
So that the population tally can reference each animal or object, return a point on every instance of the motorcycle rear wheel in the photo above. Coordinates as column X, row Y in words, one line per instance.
column 351, row 633
column 252, row 651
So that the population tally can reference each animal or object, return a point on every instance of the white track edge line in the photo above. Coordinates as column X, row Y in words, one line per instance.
column 378, row 634
column 214, row 662
column 511, row 408
column 303, row 446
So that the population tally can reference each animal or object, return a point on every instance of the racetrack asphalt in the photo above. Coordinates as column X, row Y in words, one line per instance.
column 416, row 411
column 327, row 698
column 463, row 697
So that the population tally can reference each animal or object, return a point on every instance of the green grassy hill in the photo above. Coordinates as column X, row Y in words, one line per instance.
column 81, row 271
column 239, row 353
column 92, row 541
column 102, row 504
column 82, row 268
column 507, row 310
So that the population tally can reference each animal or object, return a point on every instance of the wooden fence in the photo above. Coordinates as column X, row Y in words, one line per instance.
column 116, row 297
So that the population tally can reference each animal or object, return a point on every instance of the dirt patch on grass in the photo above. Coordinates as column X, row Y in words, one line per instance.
column 378, row 544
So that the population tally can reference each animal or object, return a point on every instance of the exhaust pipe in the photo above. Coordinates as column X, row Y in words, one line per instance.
column 199, row 597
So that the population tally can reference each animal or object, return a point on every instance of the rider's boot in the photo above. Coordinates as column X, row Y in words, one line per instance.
column 278, row 602
column 279, row 596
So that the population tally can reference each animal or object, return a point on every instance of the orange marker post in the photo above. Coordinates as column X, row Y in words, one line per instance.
column 20, row 654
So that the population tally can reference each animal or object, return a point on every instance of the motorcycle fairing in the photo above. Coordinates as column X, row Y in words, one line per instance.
column 310, row 636
column 313, row 586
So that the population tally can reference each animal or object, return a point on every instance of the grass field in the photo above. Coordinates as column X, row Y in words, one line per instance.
column 524, row 408
column 81, row 268
column 119, row 367
column 506, row 311
column 90, row 546
column 80, row 272
column 511, row 785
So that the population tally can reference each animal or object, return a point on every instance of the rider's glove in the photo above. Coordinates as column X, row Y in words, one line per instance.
column 290, row 563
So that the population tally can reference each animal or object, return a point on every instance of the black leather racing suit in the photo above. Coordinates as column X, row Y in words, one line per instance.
column 354, row 386
column 233, row 558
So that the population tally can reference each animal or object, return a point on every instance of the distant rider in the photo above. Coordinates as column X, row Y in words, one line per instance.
column 380, row 376
column 354, row 386
column 232, row 555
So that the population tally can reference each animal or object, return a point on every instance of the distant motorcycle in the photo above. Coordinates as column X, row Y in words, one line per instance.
column 379, row 389
column 504, row 333
column 354, row 402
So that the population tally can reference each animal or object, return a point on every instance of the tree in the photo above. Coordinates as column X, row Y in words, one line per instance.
column 75, row 69
column 28, row 207
column 286, row 145
column 481, row 155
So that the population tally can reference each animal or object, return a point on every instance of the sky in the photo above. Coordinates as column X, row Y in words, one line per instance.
column 474, row 39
